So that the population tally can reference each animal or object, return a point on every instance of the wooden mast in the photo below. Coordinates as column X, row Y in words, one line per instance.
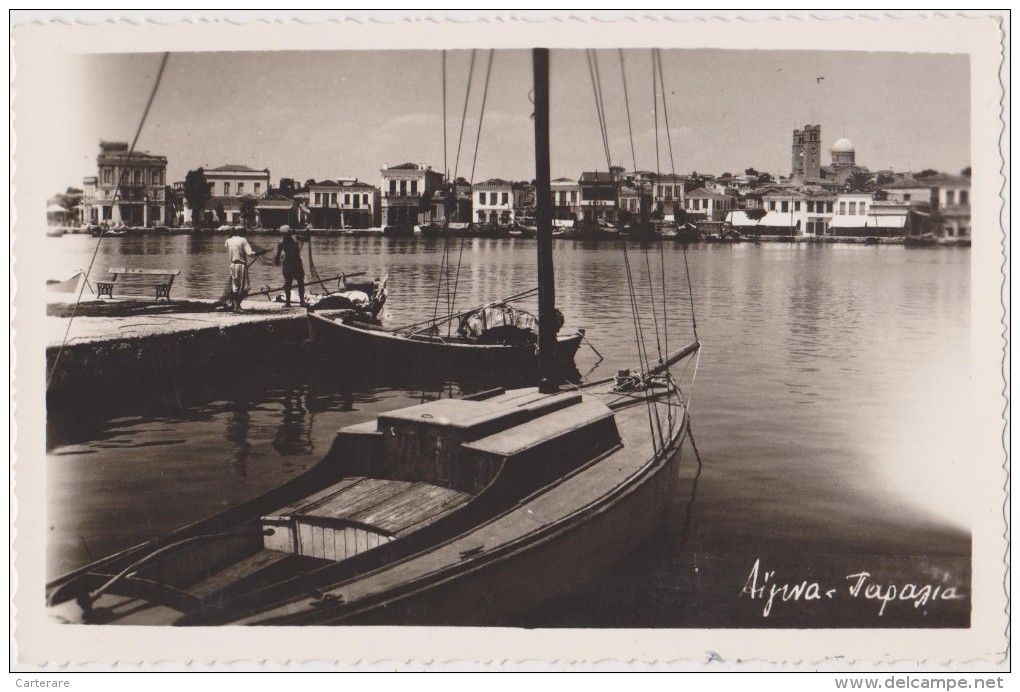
column 543, row 219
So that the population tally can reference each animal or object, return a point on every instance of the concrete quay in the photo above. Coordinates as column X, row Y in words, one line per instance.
column 120, row 344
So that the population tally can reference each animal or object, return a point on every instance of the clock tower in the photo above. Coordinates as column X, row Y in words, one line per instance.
column 807, row 152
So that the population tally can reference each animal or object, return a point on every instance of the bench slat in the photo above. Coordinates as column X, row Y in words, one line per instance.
column 152, row 272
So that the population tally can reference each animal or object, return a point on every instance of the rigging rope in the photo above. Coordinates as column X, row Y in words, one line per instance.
column 598, row 107
column 463, row 115
column 626, row 101
column 113, row 202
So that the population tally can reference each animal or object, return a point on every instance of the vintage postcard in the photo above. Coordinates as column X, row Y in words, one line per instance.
column 670, row 340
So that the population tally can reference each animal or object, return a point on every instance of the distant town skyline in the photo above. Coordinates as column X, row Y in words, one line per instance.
column 334, row 114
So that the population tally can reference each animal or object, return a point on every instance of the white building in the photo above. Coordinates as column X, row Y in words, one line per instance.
column 407, row 190
column 708, row 204
column 227, row 186
column 496, row 201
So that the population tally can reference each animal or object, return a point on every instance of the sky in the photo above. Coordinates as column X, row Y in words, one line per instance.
column 346, row 113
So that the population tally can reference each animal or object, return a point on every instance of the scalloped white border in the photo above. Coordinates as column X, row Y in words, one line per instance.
column 35, row 642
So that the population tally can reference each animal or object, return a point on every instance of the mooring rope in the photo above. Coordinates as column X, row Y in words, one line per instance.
column 113, row 202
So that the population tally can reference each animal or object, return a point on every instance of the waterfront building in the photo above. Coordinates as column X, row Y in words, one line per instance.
column 142, row 181
column 669, row 195
column 343, row 203
column 708, row 205
column 598, row 194
column 819, row 207
column 786, row 213
column 406, row 193
column 952, row 193
column 497, row 201
column 635, row 201
column 806, row 153
column 228, row 186
column 909, row 190
column 850, row 217
column 566, row 194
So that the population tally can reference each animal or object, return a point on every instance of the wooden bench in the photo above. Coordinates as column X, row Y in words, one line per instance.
column 164, row 279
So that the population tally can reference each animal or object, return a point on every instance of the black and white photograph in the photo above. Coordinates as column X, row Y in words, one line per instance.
column 527, row 329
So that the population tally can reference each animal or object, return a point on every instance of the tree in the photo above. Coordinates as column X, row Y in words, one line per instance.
column 926, row 173
column 756, row 214
column 965, row 172
column 309, row 183
column 288, row 186
column 248, row 206
column 765, row 178
column 196, row 192
column 751, row 172
column 859, row 181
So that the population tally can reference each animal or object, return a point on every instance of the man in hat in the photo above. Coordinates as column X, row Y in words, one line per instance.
column 292, row 266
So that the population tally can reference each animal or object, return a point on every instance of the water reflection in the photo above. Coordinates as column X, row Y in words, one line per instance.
column 236, row 434
column 820, row 395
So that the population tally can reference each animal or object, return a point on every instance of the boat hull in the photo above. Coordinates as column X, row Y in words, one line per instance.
column 503, row 590
column 359, row 344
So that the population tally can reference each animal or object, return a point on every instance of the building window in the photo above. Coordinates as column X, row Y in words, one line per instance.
column 573, row 197
column 403, row 188
column 393, row 187
column 906, row 197
column 842, row 207
column 240, row 189
column 332, row 199
column 785, row 206
column 364, row 199
column 828, row 207
column 492, row 199
column 963, row 197
column 357, row 199
column 810, row 206
column 950, row 198
column 796, row 206
column 318, row 199
column 107, row 176
column 258, row 188
column 481, row 198
column 505, row 198
column 347, row 199
column 138, row 176
column 156, row 177
column 226, row 189
column 772, row 205
column 414, row 187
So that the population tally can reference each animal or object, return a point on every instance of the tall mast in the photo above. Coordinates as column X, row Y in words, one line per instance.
column 543, row 219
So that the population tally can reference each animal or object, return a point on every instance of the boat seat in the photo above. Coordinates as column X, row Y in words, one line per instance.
column 356, row 515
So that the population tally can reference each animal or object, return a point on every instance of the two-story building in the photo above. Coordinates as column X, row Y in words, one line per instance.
column 566, row 196
column 708, row 205
column 669, row 195
column 598, row 195
column 141, row 179
column 635, row 201
column 407, row 192
column 228, row 185
column 343, row 203
column 496, row 201
column 952, row 193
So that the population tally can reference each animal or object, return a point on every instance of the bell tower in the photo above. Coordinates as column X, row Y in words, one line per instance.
column 807, row 152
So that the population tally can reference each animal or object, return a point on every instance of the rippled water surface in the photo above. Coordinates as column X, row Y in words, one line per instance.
column 821, row 408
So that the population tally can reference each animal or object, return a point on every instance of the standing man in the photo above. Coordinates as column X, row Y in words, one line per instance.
column 240, row 252
column 292, row 266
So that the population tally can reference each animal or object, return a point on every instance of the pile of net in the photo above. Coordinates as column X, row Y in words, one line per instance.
column 502, row 324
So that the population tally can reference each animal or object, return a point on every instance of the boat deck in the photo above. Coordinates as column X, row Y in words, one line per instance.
column 607, row 480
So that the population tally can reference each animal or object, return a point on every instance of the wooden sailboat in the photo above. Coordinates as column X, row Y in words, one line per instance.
column 467, row 511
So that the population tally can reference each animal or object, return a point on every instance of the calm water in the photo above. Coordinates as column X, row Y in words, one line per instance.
column 820, row 411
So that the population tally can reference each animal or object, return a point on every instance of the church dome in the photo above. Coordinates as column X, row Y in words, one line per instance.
column 842, row 145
